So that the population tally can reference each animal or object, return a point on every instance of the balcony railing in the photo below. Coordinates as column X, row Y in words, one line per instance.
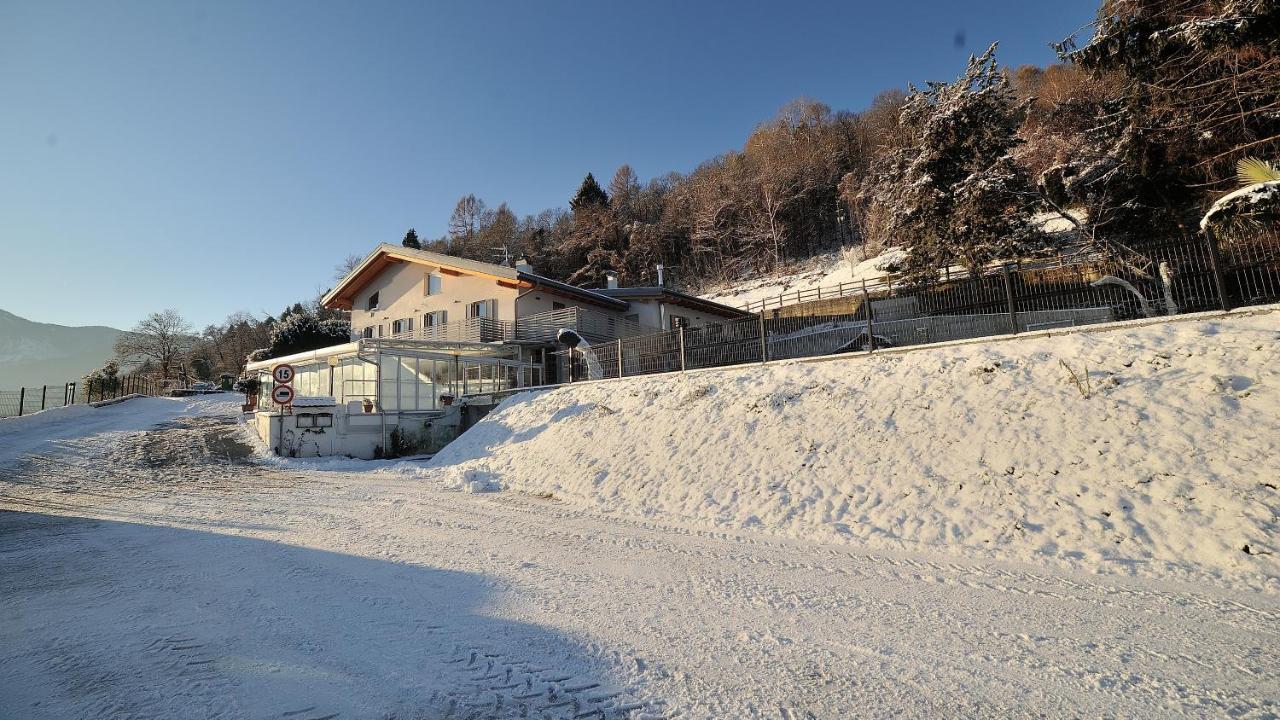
column 594, row 326
column 590, row 324
column 480, row 330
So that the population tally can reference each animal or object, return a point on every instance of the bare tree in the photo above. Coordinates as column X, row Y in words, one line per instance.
column 464, row 225
column 343, row 268
column 162, row 338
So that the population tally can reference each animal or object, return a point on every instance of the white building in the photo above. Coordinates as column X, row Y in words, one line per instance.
column 429, row 329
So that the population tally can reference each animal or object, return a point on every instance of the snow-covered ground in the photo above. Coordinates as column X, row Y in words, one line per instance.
column 153, row 566
column 851, row 265
column 824, row 271
column 1166, row 460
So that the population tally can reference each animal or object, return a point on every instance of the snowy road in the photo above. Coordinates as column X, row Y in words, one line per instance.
column 162, row 574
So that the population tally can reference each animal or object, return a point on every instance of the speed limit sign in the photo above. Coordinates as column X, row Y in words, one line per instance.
column 282, row 394
column 283, row 374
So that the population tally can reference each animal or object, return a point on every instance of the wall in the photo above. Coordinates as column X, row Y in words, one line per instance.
column 353, row 433
column 657, row 314
column 402, row 294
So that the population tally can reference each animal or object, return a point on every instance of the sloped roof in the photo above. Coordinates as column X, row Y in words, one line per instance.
column 674, row 297
column 385, row 255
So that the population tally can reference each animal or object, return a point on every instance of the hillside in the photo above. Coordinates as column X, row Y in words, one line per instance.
column 34, row 353
column 1161, row 462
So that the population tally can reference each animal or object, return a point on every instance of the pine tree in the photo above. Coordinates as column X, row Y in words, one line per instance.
column 954, row 194
column 589, row 194
column 411, row 240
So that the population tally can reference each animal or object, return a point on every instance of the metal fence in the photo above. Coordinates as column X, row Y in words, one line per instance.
column 27, row 400
column 1182, row 276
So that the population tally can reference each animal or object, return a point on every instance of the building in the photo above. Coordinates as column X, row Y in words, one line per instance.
column 430, row 329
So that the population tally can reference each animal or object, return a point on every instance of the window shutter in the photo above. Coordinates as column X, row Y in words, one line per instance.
column 493, row 310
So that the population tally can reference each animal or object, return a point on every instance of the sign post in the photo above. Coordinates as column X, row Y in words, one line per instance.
column 282, row 374
column 282, row 395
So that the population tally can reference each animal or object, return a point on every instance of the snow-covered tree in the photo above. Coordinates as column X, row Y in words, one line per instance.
column 954, row 194
column 300, row 332
column 1197, row 85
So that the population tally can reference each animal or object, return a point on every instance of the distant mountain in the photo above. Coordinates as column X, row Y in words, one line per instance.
column 34, row 354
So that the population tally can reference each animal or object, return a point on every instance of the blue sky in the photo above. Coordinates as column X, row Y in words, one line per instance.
column 216, row 157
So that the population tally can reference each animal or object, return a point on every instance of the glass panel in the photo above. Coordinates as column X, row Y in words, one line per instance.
column 388, row 395
column 443, row 377
column 408, row 383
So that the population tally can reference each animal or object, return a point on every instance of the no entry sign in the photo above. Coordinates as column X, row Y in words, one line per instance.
column 282, row 394
column 282, row 374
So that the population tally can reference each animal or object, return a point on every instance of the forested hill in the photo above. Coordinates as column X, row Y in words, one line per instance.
column 1140, row 127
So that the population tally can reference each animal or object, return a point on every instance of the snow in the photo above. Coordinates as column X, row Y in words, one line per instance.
column 314, row 401
column 155, row 566
column 823, row 271
column 830, row 270
column 1263, row 196
column 21, row 435
column 987, row 448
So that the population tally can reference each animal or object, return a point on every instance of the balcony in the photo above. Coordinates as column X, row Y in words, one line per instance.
column 595, row 326
column 476, row 330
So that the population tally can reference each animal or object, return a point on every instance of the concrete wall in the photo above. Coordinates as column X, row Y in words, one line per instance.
column 402, row 293
column 353, row 433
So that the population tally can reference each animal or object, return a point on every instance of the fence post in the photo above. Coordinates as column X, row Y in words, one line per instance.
column 871, row 330
column 44, row 392
column 1013, row 306
column 619, row 357
column 22, row 398
column 764, row 343
column 681, row 347
column 1215, row 261
column 72, row 396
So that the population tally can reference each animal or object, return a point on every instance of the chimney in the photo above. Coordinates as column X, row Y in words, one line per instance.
column 660, row 283
column 611, row 280
column 522, row 265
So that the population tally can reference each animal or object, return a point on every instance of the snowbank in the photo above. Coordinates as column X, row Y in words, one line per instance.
column 1161, row 451
column 20, row 436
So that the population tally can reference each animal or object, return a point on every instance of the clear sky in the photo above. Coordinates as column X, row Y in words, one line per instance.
column 225, row 156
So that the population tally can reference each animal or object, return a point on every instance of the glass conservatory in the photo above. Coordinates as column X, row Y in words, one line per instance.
column 401, row 376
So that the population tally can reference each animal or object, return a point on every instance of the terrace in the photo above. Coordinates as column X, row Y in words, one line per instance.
column 595, row 326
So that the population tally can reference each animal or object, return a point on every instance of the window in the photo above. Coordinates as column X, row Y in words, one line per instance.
column 379, row 329
column 435, row 319
column 679, row 321
column 403, row 325
column 483, row 309
column 373, row 302
column 367, row 332
column 434, row 284
column 557, row 305
column 315, row 420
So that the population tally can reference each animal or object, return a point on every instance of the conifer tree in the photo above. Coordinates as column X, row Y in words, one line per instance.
column 589, row 194
column 411, row 240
